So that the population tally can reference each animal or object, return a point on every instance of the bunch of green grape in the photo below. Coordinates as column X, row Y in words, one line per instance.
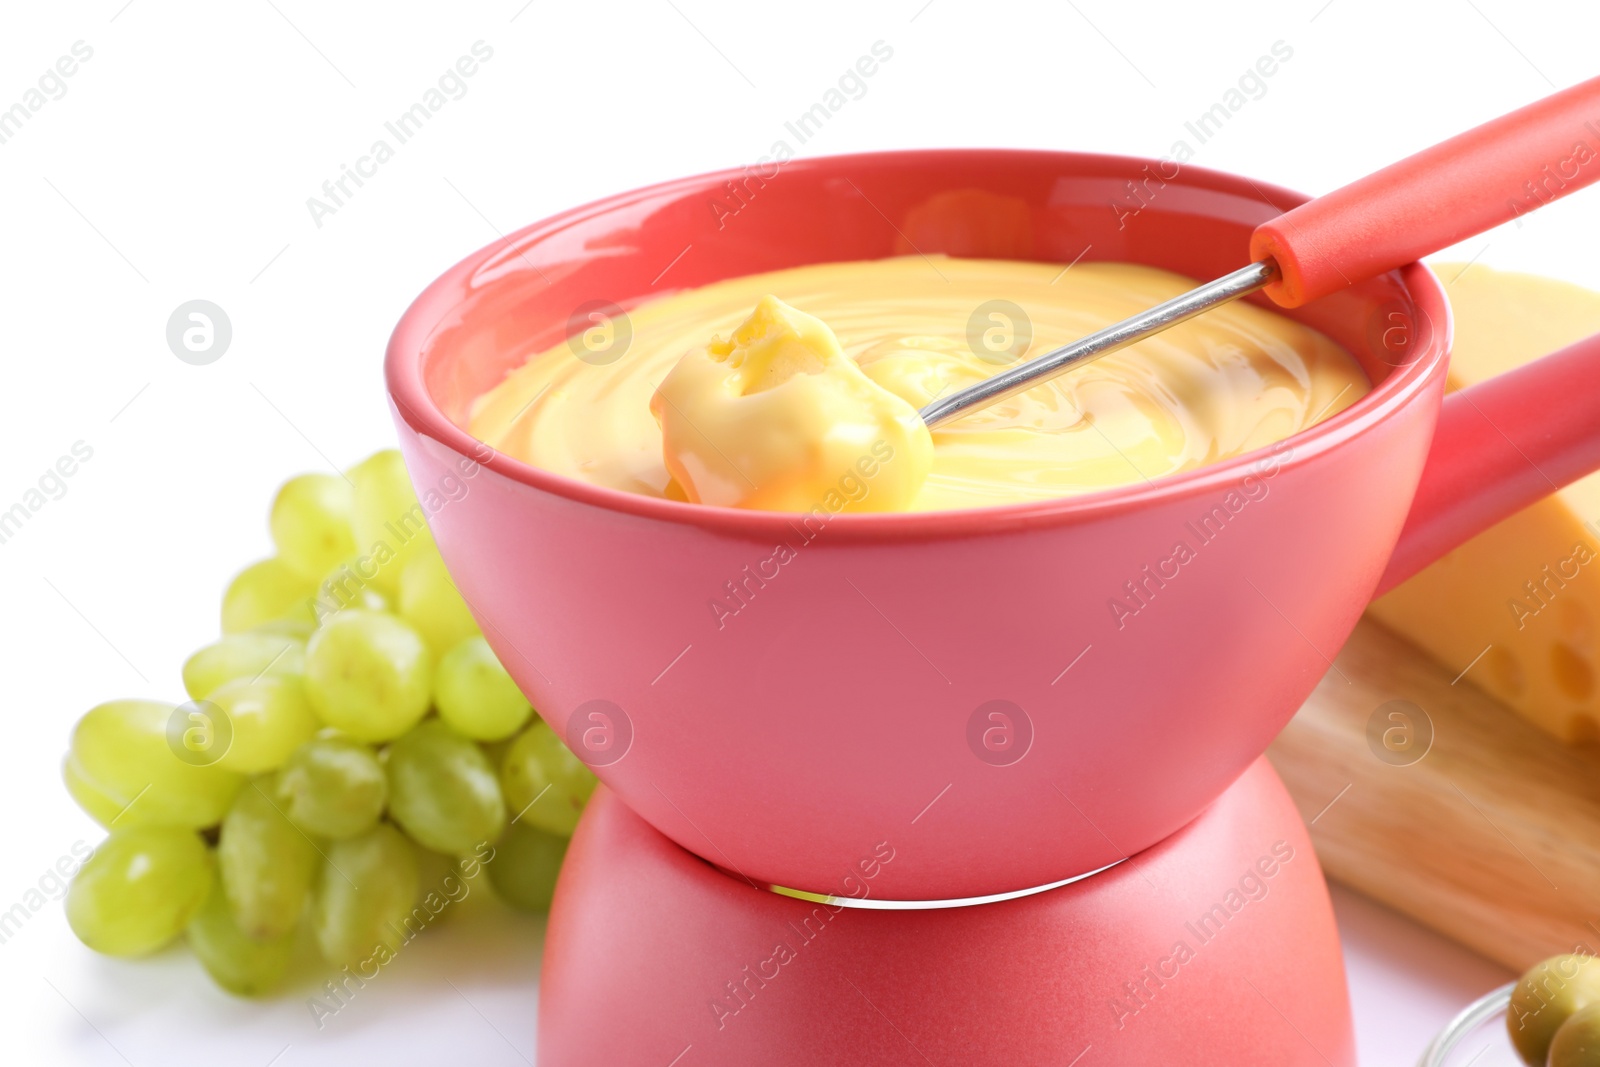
column 350, row 745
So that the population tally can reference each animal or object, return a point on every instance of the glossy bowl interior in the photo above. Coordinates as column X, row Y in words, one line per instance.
column 1215, row 947
column 850, row 696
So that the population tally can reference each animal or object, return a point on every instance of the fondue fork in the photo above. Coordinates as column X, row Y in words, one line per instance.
column 1449, row 192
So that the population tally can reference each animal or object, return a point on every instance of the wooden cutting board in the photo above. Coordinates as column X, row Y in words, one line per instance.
column 1491, row 837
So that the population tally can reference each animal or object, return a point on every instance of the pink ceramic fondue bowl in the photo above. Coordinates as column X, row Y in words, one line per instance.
column 960, row 683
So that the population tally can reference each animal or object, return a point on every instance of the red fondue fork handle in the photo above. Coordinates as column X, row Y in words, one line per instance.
column 1470, row 183
column 1500, row 446
column 1473, row 182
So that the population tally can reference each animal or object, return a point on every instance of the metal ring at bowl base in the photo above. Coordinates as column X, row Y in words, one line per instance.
column 1495, row 1002
column 873, row 904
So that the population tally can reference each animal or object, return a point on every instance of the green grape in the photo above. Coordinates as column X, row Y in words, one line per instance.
column 432, row 869
column 476, row 696
column 311, row 522
column 123, row 762
column 298, row 629
column 545, row 785
column 390, row 526
column 270, row 718
column 368, row 674
column 101, row 808
column 333, row 787
column 442, row 790
column 365, row 895
column 246, row 655
column 267, row 864
column 139, row 889
column 430, row 603
column 525, row 865
column 241, row 965
column 266, row 591
column 344, row 587
column 440, row 887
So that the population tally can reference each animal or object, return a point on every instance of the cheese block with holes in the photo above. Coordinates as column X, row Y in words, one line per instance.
column 1518, row 607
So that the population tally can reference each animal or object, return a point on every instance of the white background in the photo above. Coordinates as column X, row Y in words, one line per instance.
column 178, row 163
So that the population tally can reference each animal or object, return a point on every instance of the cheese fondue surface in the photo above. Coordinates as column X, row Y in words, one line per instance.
column 798, row 388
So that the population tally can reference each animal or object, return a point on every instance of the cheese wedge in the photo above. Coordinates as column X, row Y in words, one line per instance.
column 1517, row 609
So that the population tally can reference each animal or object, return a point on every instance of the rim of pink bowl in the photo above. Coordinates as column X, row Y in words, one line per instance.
column 408, row 345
